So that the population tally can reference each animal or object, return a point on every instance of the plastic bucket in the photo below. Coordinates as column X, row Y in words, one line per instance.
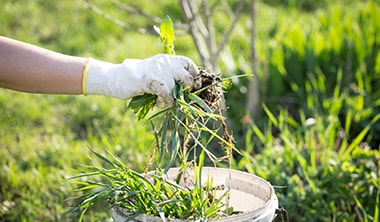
column 250, row 194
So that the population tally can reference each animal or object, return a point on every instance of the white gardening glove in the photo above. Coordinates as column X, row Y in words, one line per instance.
column 133, row 77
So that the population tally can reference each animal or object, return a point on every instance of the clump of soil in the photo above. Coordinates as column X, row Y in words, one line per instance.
column 211, row 92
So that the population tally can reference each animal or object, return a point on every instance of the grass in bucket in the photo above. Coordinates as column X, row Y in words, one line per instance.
column 183, row 133
column 183, row 129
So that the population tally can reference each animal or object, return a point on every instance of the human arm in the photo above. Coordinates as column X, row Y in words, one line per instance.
column 29, row 68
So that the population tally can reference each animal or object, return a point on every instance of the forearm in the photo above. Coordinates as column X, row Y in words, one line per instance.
column 29, row 68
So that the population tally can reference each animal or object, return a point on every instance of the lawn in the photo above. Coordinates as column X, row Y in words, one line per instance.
column 316, row 138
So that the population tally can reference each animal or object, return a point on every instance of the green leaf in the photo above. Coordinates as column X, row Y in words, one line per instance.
column 200, row 102
column 270, row 115
column 141, row 105
column 167, row 35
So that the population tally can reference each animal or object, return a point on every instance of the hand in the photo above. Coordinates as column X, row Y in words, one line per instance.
column 155, row 75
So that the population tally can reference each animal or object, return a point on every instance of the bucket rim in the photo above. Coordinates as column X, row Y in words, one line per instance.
column 271, row 202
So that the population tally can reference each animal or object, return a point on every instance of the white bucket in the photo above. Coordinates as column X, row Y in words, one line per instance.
column 250, row 194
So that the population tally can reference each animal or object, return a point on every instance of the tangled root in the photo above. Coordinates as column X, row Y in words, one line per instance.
column 211, row 91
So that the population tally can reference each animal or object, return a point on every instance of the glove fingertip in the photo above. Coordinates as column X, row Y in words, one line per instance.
column 192, row 77
column 189, row 65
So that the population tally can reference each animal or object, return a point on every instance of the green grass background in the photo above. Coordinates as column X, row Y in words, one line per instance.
column 317, row 61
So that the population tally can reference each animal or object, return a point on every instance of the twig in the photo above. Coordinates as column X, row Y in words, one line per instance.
column 228, row 150
column 130, row 8
column 209, row 154
column 210, row 26
column 118, row 22
column 181, row 28
column 227, row 35
column 198, row 39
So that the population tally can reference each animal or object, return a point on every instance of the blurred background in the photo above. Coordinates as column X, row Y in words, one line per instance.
column 307, row 118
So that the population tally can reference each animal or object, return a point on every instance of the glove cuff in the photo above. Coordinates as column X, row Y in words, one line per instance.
column 96, row 77
column 115, row 80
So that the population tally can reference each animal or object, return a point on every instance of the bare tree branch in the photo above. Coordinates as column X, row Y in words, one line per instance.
column 202, row 29
column 115, row 20
column 133, row 9
column 210, row 26
column 227, row 35
column 136, row 10
column 180, row 28
column 197, row 37
column 197, row 18
column 227, row 9
column 200, row 25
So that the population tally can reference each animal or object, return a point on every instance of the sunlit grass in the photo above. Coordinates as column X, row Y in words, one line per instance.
column 319, row 169
column 307, row 147
column 45, row 138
